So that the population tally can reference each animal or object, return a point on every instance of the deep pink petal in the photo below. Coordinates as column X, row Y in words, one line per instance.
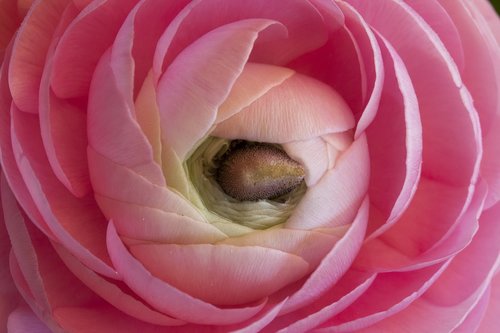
column 30, row 49
column 165, row 297
column 199, row 80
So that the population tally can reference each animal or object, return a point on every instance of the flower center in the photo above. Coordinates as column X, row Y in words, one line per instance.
column 242, row 186
column 256, row 171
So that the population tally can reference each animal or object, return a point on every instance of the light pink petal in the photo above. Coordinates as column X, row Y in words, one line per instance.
column 167, row 298
column 199, row 80
column 225, row 274
column 395, row 143
column 310, row 245
column 453, row 131
column 192, row 23
column 256, row 324
column 315, row 155
column 119, row 183
column 333, row 266
column 24, row 320
column 389, row 294
column 299, row 108
column 115, row 133
column 350, row 287
column 76, row 223
column 30, row 49
column 489, row 322
column 370, row 56
column 83, row 43
column 336, row 198
column 140, row 224
column 119, row 298
column 254, row 81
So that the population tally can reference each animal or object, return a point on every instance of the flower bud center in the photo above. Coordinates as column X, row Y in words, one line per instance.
column 257, row 171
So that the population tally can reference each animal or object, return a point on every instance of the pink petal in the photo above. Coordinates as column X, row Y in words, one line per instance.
column 199, row 80
column 9, row 164
column 370, row 55
column 140, row 224
column 452, row 131
column 76, row 223
column 389, row 294
column 310, row 245
column 64, row 134
column 489, row 322
column 350, row 287
column 315, row 155
column 283, row 114
column 225, row 274
column 23, row 320
column 30, row 49
column 457, row 292
column 406, row 243
column 455, row 241
column 115, row 133
column 167, row 298
column 121, row 299
column 336, row 198
column 10, row 19
column 334, row 264
column 440, row 19
column 9, row 295
column 200, row 17
column 83, row 43
column 116, row 182
column 395, row 143
column 254, row 81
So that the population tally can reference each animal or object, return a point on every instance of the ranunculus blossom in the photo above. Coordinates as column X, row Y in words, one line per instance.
column 249, row 166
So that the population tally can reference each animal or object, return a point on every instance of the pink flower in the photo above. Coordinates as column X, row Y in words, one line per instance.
column 249, row 166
